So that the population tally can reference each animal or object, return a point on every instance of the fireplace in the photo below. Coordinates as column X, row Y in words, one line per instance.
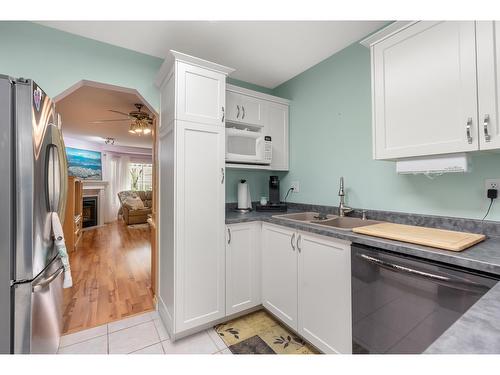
column 90, row 211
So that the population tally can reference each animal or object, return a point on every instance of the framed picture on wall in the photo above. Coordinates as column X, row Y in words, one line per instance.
column 84, row 164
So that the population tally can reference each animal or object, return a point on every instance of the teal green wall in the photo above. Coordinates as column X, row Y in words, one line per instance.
column 250, row 86
column 330, row 136
column 57, row 60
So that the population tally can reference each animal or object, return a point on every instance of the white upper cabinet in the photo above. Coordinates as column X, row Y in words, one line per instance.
column 424, row 90
column 277, row 127
column 200, row 92
column 488, row 61
column 242, row 267
column 265, row 112
column 244, row 109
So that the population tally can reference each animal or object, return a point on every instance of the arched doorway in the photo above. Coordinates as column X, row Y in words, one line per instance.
column 113, row 259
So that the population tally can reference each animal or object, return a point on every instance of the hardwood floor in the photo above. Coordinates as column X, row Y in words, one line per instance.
column 111, row 271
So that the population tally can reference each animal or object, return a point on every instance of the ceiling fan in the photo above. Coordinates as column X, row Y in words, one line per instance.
column 141, row 122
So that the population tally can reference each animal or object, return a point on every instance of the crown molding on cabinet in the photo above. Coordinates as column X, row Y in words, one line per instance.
column 166, row 67
column 386, row 32
column 256, row 94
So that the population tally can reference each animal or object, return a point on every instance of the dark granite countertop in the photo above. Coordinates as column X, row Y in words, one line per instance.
column 478, row 330
column 483, row 257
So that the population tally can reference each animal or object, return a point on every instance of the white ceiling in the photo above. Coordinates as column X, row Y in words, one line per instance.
column 265, row 53
column 87, row 104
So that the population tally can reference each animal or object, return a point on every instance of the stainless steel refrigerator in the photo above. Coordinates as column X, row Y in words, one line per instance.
column 33, row 183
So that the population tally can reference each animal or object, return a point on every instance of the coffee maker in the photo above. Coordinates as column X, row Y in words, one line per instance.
column 274, row 204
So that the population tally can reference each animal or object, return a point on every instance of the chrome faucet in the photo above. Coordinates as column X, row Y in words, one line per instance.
column 343, row 209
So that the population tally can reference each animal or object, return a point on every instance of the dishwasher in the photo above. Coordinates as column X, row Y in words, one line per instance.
column 402, row 304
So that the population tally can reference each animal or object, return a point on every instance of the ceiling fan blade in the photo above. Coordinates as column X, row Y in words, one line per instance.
column 104, row 121
column 121, row 113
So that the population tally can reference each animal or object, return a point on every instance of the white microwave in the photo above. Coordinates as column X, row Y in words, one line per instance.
column 248, row 147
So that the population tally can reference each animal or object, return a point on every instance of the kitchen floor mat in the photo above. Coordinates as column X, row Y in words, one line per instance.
column 260, row 333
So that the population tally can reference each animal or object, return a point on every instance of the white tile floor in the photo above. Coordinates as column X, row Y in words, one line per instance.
column 141, row 334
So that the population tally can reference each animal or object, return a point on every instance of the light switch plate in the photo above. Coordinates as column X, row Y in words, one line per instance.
column 296, row 186
column 491, row 183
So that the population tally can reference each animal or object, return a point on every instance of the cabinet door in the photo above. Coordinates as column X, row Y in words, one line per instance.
column 279, row 273
column 325, row 292
column 488, row 70
column 200, row 244
column 424, row 90
column 277, row 128
column 251, row 110
column 233, row 106
column 201, row 94
column 242, row 267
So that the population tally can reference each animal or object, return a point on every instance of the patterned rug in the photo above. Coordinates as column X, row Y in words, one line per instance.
column 260, row 333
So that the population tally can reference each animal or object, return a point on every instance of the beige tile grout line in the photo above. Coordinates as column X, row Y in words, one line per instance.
column 159, row 338
column 107, row 334
column 213, row 340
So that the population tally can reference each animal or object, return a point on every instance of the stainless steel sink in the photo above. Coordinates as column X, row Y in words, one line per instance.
column 331, row 221
column 345, row 223
column 306, row 217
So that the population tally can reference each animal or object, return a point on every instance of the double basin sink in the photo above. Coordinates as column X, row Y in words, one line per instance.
column 330, row 221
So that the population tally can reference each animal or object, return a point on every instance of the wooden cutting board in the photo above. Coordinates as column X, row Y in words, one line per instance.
column 440, row 238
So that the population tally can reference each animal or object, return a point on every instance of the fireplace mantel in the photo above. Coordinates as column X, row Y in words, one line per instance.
column 95, row 185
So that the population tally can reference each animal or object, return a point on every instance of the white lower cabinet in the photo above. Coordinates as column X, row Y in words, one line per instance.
column 306, row 282
column 242, row 267
column 324, row 292
column 279, row 273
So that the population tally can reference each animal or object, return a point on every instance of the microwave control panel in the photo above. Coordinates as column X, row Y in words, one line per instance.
column 268, row 149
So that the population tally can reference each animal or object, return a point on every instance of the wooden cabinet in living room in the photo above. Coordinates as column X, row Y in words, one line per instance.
column 72, row 226
column 242, row 267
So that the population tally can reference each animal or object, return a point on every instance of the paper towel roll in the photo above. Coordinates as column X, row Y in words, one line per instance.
column 244, row 200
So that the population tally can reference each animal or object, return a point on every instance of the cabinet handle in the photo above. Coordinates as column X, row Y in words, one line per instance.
column 292, row 240
column 229, row 235
column 468, row 130
column 222, row 113
column 487, row 136
column 222, row 172
column 299, row 240
column 242, row 117
column 238, row 113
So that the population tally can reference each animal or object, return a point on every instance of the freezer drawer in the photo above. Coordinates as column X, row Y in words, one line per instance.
column 38, row 318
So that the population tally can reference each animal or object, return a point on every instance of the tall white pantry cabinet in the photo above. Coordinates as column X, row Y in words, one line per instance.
column 192, row 198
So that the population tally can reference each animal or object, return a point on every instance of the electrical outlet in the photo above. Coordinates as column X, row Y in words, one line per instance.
column 295, row 186
column 492, row 183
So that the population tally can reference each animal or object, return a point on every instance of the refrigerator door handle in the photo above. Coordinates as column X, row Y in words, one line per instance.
column 57, row 172
column 45, row 282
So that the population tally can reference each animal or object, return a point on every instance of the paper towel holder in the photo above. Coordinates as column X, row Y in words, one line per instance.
column 244, row 204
